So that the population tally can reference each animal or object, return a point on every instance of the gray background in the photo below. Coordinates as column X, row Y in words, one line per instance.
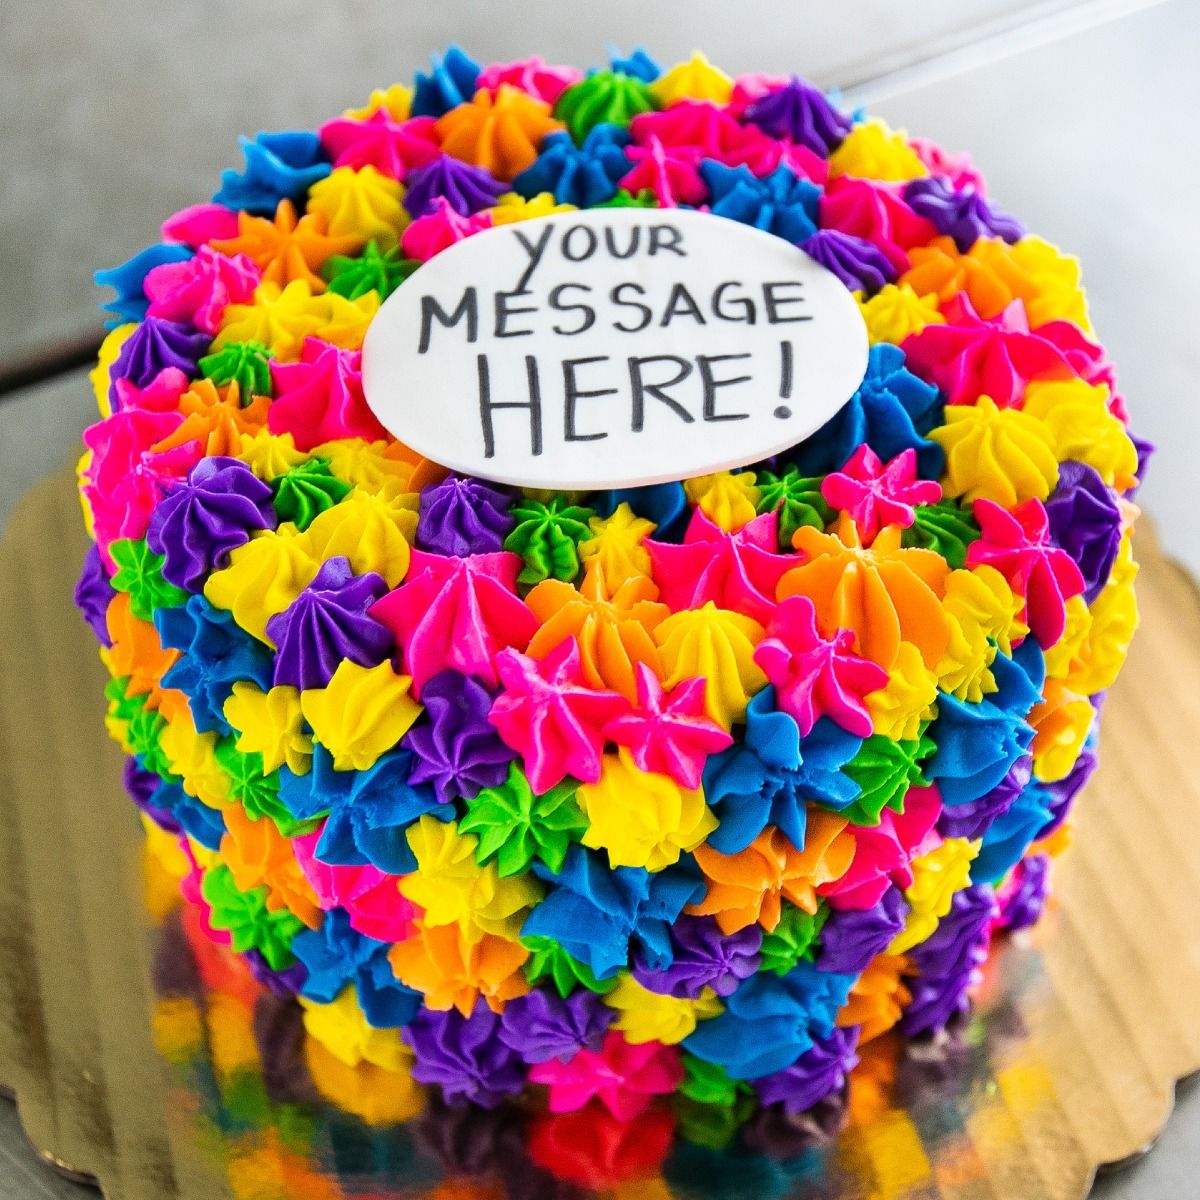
column 1081, row 114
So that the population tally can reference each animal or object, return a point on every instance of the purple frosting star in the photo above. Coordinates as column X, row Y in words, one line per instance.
column 464, row 1056
column 1061, row 793
column 541, row 1025
column 463, row 516
column 962, row 214
column 93, row 593
column 199, row 522
column 970, row 820
column 946, row 963
column 283, row 983
column 457, row 749
column 800, row 112
column 327, row 623
column 141, row 786
column 1025, row 903
column 850, row 938
column 467, row 188
column 1085, row 522
column 859, row 264
column 818, row 1072
column 704, row 957
column 153, row 346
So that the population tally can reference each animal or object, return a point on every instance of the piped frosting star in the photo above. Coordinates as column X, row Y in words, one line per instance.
column 392, row 147
column 876, row 494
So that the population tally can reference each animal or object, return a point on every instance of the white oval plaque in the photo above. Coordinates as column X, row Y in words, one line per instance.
column 611, row 348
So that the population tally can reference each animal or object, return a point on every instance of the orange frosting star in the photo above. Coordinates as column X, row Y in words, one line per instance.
column 751, row 885
column 257, row 853
column 886, row 593
column 939, row 268
column 451, row 971
column 498, row 130
column 878, row 997
column 288, row 247
column 614, row 631
column 136, row 651
column 216, row 418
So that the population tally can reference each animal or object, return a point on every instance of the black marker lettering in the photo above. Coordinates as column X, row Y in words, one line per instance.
column 616, row 297
column 641, row 389
column 535, row 250
column 742, row 305
column 711, row 384
column 773, row 302
column 504, row 311
column 572, row 394
column 630, row 250
column 586, row 321
column 431, row 310
column 666, row 237
column 487, row 405
column 681, row 303
column 589, row 243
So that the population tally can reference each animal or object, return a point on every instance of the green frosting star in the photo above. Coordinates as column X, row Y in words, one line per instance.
column 603, row 98
column 547, row 959
column 798, row 499
column 258, row 792
column 139, row 572
column 710, row 1106
column 945, row 527
column 514, row 825
column 709, row 1083
column 885, row 770
column 792, row 939
column 626, row 199
column 373, row 271
column 547, row 537
column 121, row 704
column 306, row 491
column 245, row 363
column 245, row 916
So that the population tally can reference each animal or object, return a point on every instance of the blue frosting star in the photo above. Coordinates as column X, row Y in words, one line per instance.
column 216, row 654
column 279, row 166
column 1011, row 834
column 594, row 913
column 204, row 824
column 891, row 411
column 336, row 955
column 769, row 778
column 581, row 175
column 780, row 203
column 450, row 82
column 638, row 64
column 369, row 811
column 771, row 1020
column 127, row 279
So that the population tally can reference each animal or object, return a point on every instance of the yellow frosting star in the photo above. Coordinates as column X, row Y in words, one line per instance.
column 936, row 877
column 1068, row 648
column 1082, row 429
column 343, row 1030
column 642, row 819
column 511, row 207
column 270, row 724
column 729, row 500
column 362, row 712
column 1114, row 619
column 873, row 150
column 378, row 468
column 981, row 612
column 453, row 889
column 279, row 318
column 363, row 204
column 1046, row 279
column 263, row 577
column 270, row 455
column 646, row 1016
column 345, row 321
column 193, row 758
column 1000, row 454
column 898, row 708
column 718, row 646
column 896, row 311
column 100, row 376
column 1060, row 723
column 397, row 100
column 616, row 545
column 695, row 79
column 373, row 533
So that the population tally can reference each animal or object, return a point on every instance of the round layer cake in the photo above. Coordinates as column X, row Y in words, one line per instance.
column 671, row 793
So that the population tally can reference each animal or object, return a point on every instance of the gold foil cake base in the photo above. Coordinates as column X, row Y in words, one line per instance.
column 140, row 1059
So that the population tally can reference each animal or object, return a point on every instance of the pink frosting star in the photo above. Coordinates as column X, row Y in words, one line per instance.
column 200, row 289
column 875, row 495
column 1017, row 543
column 883, row 853
column 370, row 897
column 699, row 129
column 738, row 571
column 550, row 716
column 199, row 224
column 320, row 398
column 623, row 1077
column 392, row 147
column 189, row 888
column 669, row 733
column 969, row 357
column 160, row 395
column 957, row 168
column 816, row 676
column 671, row 174
column 456, row 612
column 532, row 75
column 878, row 213
column 439, row 228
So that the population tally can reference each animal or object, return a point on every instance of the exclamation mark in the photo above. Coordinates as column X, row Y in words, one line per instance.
column 785, row 379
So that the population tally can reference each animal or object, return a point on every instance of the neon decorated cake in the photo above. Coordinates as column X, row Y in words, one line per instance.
column 609, row 578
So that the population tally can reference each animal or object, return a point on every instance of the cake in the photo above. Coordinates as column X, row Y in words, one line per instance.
column 618, row 777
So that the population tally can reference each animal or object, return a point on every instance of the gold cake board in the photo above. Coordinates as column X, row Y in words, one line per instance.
column 1082, row 1029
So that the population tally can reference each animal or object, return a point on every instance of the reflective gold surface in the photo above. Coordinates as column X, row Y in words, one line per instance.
column 142, row 1057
